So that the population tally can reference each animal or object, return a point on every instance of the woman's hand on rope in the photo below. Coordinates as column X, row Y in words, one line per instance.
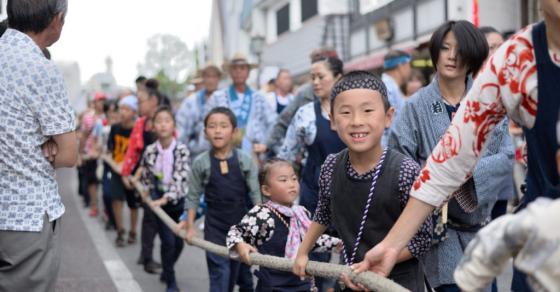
column 299, row 265
column 380, row 260
column 244, row 249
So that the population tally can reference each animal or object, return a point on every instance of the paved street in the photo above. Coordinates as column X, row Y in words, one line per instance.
column 91, row 262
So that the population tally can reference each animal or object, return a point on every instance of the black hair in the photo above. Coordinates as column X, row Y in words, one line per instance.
column 334, row 65
column 46, row 53
column 488, row 29
column 164, row 109
column 360, row 80
column 151, row 87
column 140, row 79
column 34, row 15
column 222, row 110
column 472, row 44
column 265, row 169
column 3, row 26
column 271, row 81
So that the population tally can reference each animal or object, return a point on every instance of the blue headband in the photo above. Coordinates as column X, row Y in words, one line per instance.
column 394, row 62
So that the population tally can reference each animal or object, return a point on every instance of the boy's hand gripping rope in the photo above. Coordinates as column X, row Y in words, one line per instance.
column 369, row 280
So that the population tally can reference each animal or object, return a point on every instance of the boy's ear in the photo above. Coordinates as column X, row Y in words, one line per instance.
column 331, row 120
column 389, row 117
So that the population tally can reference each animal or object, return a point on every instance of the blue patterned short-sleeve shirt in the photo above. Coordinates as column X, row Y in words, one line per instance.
column 33, row 107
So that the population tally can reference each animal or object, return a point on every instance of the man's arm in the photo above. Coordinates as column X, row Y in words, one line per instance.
column 67, row 150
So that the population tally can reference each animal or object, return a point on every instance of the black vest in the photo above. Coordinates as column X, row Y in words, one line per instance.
column 274, row 280
column 349, row 197
column 542, row 174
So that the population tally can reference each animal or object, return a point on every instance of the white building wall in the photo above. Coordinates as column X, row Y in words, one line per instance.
column 504, row 15
column 327, row 7
column 3, row 13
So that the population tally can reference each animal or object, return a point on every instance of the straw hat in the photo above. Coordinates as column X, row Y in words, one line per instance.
column 238, row 59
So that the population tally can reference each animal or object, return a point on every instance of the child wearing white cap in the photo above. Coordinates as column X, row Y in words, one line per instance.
column 117, row 145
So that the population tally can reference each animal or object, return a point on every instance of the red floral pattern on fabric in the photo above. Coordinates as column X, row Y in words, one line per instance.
column 448, row 146
column 422, row 178
column 519, row 66
column 484, row 116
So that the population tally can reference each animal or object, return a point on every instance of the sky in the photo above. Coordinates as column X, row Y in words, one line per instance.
column 95, row 29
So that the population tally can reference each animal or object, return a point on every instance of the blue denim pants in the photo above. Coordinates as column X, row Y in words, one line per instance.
column 223, row 272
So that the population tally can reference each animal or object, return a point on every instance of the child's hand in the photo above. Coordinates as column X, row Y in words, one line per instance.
column 191, row 233
column 340, row 247
column 127, row 183
column 244, row 249
column 182, row 225
column 159, row 202
column 350, row 285
column 299, row 265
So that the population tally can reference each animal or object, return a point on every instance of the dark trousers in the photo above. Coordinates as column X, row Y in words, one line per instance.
column 245, row 278
column 107, row 198
column 171, row 247
column 448, row 288
column 500, row 208
column 149, row 232
column 519, row 282
column 223, row 272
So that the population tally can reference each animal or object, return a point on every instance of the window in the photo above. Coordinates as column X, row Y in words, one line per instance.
column 308, row 9
column 283, row 19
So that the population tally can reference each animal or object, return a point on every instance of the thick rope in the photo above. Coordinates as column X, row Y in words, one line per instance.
column 369, row 280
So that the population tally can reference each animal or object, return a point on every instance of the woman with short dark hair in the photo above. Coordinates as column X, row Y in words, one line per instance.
column 458, row 50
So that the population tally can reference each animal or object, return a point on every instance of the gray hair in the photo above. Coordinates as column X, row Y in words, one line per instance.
column 34, row 15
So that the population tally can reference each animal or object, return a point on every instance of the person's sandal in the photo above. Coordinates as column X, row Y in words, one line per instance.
column 120, row 238
column 131, row 237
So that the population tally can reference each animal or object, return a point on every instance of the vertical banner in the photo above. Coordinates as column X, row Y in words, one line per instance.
column 475, row 13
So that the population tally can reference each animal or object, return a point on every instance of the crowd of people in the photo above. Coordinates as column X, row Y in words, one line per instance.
column 390, row 174
column 338, row 132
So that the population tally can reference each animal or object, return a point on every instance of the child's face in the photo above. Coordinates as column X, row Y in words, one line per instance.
column 164, row 125
column 282, row 185
column 219, row 130
column 126, row 114
column 359, row 118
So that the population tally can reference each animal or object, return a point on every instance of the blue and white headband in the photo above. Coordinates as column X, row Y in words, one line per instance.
column 394, row 62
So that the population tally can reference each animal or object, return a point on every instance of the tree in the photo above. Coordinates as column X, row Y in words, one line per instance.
column 169, row 60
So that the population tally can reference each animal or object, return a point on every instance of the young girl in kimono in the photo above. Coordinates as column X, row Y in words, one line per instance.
column 165, row 170
column 458, row 50
column 363, row 189
column 276, row 228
